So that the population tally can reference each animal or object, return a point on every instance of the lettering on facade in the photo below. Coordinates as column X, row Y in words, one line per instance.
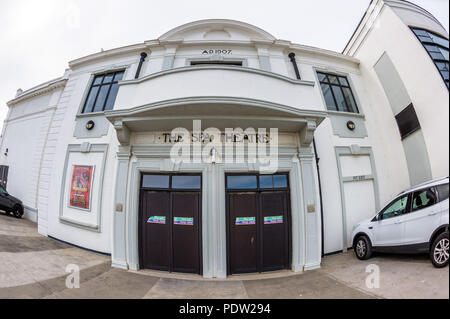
column 217, row 51
column 170, row 138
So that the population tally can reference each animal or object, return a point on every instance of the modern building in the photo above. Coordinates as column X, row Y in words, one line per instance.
column 91, row 154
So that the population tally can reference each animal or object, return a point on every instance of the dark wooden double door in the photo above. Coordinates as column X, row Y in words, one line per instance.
column 170, row 231
column 258, row 231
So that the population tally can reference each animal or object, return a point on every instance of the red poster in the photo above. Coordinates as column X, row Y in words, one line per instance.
column 80, row 189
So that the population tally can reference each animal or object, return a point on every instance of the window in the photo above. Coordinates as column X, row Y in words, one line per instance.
column 155, row 181
column 242, row 182
column 423, row 199
column 169, row 181
column 437, row 47
column 397, row 208
column 236, row 63
column 407, row 121
column 257, row 182
column 3, row 191
column 186, row 182
column 273, row 181
column 337, row 93
column 103, row 92
column 443, row 192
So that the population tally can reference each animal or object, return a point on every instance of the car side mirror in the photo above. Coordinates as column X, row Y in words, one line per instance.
column 377, row 218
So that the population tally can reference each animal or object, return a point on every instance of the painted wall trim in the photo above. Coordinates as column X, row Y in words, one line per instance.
column 83, row 148
column 217, row 67
column 354, row 150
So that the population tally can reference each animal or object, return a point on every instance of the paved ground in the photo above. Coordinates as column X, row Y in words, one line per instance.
column 32, row 266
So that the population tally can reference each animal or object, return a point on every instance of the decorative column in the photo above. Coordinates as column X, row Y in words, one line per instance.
column 263, row 55
column 119, row 253
column 312, row 220
column 214, row 224
column 312, row 230
column 169, row 56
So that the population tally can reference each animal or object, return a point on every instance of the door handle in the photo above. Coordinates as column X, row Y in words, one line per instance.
column 398, row 223
column 252, row 241
column 432, row 214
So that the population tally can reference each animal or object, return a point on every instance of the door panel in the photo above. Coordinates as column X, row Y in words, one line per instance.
column 170, row 223
column 243, row 232
column 156, row 230
column 423, row 220
column 185, row 232
column 389, row 231
column 275, row 239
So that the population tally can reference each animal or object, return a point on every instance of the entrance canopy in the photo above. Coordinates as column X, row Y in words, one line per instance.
column 219, row 112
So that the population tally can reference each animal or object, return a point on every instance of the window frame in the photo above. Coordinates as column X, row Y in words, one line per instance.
column 423, row 43
column 340, row 86
column 90, row 84
column 440, row 197
column 217, row 62
column 170, row 188
column 258, row 183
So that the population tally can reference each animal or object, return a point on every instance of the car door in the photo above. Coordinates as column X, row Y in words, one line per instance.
column 423, row 218
column 443, row 192
column 388, row 229
column 4, row 201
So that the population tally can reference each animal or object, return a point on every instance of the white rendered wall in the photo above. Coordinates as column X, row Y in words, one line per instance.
column 390, row 33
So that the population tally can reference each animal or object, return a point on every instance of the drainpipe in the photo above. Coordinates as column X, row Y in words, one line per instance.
column 294, row 63
column 320, row 195
column 138, row 71
column 297, row 74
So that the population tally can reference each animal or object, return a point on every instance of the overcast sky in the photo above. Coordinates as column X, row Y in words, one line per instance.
column 39, row 37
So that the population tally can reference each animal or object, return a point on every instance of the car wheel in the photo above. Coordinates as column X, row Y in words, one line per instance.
column 439, row 251
column 18, row 211
column 363, row 248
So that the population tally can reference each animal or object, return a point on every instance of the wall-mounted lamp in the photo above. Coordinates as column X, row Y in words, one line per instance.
column 351, row 125
column 90, row 125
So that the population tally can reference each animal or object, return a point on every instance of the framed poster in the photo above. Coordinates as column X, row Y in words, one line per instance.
column 81, row 186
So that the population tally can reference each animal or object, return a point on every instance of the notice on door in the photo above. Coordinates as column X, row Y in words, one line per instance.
column 273, row 220
column 246, row 221
column 157, row 220
column 183, row 221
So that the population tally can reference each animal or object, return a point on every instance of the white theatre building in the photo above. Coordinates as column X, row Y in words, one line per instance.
column 89, row 153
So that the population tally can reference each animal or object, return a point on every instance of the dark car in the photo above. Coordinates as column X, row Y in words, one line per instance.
column 10, row 204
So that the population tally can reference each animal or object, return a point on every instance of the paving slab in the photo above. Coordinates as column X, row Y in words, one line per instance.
column 401, row 276
column 309, row 285
column 167, row 288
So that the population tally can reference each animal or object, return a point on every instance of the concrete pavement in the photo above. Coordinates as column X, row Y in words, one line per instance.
column 32, row 266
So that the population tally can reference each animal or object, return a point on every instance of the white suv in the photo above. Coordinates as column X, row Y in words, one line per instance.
column 416, row 221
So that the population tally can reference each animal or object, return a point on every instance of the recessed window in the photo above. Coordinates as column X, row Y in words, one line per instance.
column 407, row 121
column 437, row 47
column 103, row 92
column 337, row 93
column 236, row 63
